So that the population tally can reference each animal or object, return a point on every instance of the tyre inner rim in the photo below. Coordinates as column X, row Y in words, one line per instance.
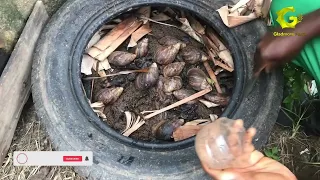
column 85, row 36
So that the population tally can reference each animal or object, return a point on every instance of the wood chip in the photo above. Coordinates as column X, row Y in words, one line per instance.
column 93, row 52
column 138, row 34
column 116, row 43
column 115, row 33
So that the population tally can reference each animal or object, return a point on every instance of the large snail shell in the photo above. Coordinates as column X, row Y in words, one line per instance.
column 197, row 79
column 170, row 40
column 220, row 99
column 164, row 129
column 109, row 95
column 166, row 54
column 173, row 69
column 184, row 93
column 142, row 47
column 121, row 58
column 193, row 55
column 171, row 84
column 149, row 79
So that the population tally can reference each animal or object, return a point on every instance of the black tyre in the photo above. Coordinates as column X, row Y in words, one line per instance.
column 72, row 125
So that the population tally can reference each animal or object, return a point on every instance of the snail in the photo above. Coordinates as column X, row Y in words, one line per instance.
column 164, row 129
column 171, row 84
column 220, row 99
column 121, row 58
column 149, row 79
column 166, row 54
column 142, row 47
column 193, row 55
column 170, row 40
column 198, row 79
column 173, row 69
column 184, row 93
column 109, row 95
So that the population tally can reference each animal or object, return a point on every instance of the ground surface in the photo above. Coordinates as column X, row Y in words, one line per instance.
column 30, row 134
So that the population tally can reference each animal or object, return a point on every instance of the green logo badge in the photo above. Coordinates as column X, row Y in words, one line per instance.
column 294, row 20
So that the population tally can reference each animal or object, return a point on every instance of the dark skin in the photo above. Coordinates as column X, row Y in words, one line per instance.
column 272, row 51
column 269, row 55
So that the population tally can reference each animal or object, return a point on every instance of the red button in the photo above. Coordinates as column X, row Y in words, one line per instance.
column 72, row 158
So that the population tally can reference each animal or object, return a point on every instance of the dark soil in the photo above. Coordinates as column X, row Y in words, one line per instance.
column 136, row 101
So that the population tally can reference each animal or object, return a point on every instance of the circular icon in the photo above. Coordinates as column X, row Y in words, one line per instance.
column 22, row 158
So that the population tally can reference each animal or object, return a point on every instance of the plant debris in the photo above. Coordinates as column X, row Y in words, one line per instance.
column 157, row 74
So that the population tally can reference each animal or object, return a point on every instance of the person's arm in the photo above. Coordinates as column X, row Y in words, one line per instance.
column 273, row 51
column 310, row 25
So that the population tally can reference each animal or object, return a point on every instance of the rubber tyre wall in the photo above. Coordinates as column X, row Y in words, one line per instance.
column 56, row 72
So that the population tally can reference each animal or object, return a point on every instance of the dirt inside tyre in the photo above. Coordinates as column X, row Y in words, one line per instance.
column 61, row 96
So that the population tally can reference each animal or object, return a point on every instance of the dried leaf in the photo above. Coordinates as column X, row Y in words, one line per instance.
column 186, row 27
column 266, row 8
column 98, row 108
column 115, row 33
column 102, row 73
column 138, row 34
column 145, row 11
column 97, row 104
column 87, row 64
column 185, row 132
column 213, row 117
column 212, row 76
column 196, row 25
column 95, row 38
column 189, row 129
column 197, row 122
column 119, row 73
column 129, row 120
column 176, row 104
column 159, row 16
column 208, row 104
column 105, row 64
column 232, row 20
column 241, row 3
column 116, row 43
column 136, row 125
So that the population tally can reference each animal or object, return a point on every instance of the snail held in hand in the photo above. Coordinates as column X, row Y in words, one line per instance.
column 164, row 129
column 166, row 54
column 173, row 69
column 121, row 58
column 197, row 79
column 171, row 84
column 193, row 55
column 109, row 95
column 149, row 79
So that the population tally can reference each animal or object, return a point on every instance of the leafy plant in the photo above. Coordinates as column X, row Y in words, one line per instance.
column 272, row 153
column 296, row 87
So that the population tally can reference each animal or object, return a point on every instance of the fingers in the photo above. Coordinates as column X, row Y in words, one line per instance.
column 220, row 174
column 234, row 139
column 248, row 146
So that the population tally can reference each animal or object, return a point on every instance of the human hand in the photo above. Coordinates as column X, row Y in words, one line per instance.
column 248, row 163
column 273, row 50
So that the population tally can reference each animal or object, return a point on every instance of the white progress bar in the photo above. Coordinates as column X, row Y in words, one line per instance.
column 52, row 158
